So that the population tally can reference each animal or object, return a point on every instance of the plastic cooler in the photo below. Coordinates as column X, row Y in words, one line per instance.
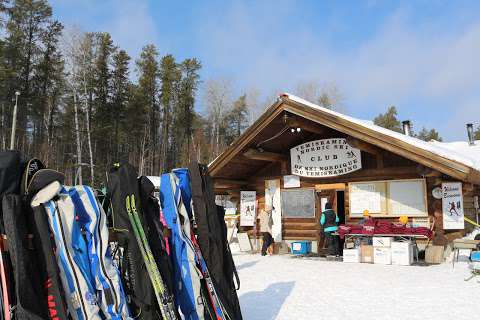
column 301, row 247
column 475, row 256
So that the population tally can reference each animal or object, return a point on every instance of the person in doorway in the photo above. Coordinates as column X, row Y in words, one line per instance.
column 266, row 223
column 329, row 221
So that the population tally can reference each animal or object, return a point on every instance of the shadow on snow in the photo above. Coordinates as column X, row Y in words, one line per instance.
column 265, row 304
column 247, row 265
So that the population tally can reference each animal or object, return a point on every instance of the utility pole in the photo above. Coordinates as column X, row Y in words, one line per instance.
column 14, row 121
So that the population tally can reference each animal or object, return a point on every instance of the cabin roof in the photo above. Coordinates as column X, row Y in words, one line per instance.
column 457, row 159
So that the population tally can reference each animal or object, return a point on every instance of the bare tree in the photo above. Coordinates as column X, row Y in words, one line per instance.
column 71, row 48
column 85, row 53
column 326, row 95
column 78, row 51
column 218, row 101
column 77, row 135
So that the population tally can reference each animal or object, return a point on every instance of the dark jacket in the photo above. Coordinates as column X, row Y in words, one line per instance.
column 329, row 221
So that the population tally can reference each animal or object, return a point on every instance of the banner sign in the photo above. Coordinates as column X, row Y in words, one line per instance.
column 247, row 208
column 325, row 158
column 452, row 203
column 273, row 201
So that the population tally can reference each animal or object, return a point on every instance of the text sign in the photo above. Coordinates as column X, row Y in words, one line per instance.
column 325, row 158
column 247, row 208
column 452, row 203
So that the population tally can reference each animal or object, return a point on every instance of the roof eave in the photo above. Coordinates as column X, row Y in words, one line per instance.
column 245, row 137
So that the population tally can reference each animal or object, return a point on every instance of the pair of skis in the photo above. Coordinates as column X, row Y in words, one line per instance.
column 218, row 308
column 4, row 287
column 164, row 299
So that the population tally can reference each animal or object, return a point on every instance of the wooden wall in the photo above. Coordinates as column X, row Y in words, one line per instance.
column 392, row 167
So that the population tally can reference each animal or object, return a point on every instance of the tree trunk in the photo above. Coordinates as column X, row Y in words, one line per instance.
column 89, row 140
column 142, row 154
column 77, row 134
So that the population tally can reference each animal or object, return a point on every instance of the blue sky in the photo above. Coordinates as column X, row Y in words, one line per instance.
column 421, row 56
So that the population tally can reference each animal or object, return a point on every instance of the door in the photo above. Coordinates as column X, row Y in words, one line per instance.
column 323, row 197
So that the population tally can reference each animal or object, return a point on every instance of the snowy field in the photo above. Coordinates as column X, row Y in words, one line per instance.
column 282, row 287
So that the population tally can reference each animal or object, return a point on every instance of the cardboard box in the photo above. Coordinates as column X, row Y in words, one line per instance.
column 366, row 253
column 384, row 242
column 349, row 245
column 382, row 255
column 351, row 255
column 280, row 248
column 402, row 253
column 434, row 254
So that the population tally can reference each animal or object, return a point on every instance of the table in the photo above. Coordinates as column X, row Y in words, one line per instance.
column 463, row 244
column 403, row 237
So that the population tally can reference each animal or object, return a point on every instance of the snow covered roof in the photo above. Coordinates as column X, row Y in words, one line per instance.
column 459, row 151
column 456, row 159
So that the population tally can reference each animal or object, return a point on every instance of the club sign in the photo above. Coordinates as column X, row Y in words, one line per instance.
column 325, row 158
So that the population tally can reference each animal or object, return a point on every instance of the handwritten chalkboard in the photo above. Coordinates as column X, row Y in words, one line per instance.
column 298, row 203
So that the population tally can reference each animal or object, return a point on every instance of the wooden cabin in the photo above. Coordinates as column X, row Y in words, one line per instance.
column 297, row 156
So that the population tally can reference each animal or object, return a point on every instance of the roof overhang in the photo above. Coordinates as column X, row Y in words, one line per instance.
column 334, row 121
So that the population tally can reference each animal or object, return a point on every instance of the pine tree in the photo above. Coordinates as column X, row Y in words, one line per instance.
column 27, row 22
column 103, row 113
column 389, row 120
column 120, row 92
column 185, row 112
column 427, row 135
column 236, row 120
column 476, row 134
column 170, row 76
column 148, row 86
column 135, row 128
column 49, row 88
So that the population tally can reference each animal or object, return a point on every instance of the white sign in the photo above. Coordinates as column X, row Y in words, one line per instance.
column 273, row 201
column 291, row 181
column 247, row 208
column 325, row 158
column 365, row 196
column 452, row 203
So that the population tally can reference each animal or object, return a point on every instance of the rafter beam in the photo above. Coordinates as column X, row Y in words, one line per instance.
column 305, row 125
column 221, row 181
column 265, row 156
column 366, row 147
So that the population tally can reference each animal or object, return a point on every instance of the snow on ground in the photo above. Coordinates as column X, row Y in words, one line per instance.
column 282, row 287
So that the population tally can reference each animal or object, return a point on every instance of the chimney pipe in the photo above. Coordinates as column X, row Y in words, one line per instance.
column 471, row 140
column 407, row 127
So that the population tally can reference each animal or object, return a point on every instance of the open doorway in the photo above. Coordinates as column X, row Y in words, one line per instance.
column 337, row 199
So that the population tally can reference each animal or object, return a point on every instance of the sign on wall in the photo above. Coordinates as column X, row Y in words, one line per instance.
column 247, row 208
column 273, row 201
column 452, row 203
column 298, row 203
column 365, row 196
column 325, row 158
column 291, row 181
column 389, row 198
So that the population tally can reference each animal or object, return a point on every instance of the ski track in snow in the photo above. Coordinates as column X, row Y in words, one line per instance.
column 281, row 287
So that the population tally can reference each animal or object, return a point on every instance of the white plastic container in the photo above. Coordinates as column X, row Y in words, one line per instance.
column 382, row 255
column 351, row 255
column 402, row 253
